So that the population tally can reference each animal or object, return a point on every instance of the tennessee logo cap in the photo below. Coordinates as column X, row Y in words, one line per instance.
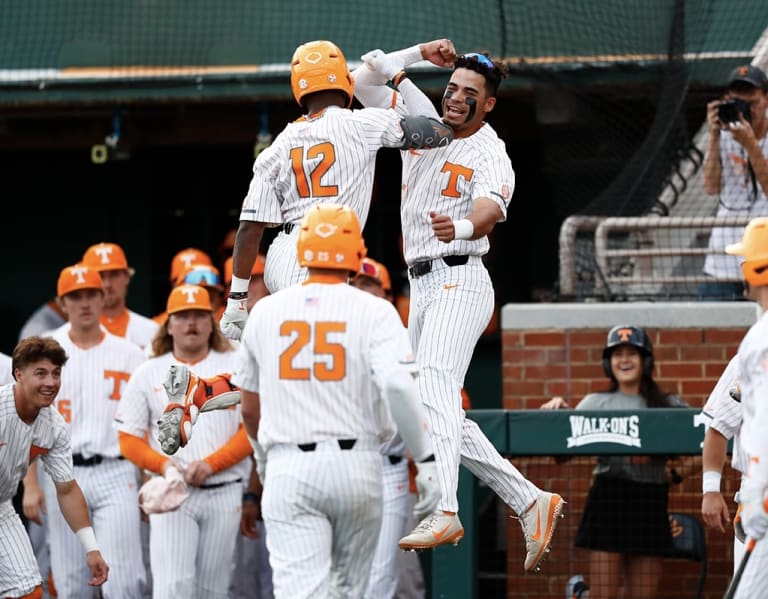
column 106, row 256
column 186, row 259
column 188, row 297
column 76, row 277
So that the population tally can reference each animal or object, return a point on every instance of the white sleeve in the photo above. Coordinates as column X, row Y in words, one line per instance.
column 416, row 101
column 370, row 90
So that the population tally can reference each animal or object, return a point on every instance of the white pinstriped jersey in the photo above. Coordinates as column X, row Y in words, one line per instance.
column 6, row 376
column 753, row 376
column 20, row 443
column 92, row 382
column 139, row 329
column 724, row 413
column 448, row 180
column 328, row 157
column 144, row 400
column 310, row 351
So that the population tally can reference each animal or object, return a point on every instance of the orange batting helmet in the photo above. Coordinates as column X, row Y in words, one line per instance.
column 318, row 66
column 754, row 247
column 330, row 237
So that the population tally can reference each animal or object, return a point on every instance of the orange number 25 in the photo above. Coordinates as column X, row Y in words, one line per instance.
column 333, row 369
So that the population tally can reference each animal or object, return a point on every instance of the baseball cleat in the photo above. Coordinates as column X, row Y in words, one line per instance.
column 539, row 522
column 179, row 384
column 436, row 529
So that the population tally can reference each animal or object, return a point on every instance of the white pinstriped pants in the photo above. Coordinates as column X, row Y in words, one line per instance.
column 19, row 574
column 450, row 308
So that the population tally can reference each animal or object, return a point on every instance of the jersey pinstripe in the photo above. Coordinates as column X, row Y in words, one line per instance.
column 448, row 180
column 357, row 335
column 145, row 399
column 724, row 414
column 92, row 382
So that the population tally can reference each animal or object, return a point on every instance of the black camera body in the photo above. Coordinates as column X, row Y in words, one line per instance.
column 728, row 111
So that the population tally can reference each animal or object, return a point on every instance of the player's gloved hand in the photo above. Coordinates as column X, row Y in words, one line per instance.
column 234, row 317
column 379, row 61
column 754, row 517
column 429, row 489
column 176, row 422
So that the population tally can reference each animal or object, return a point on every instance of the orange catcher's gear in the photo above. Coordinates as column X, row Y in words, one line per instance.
column 330, row 237
column 320, row 66
column 754, row 247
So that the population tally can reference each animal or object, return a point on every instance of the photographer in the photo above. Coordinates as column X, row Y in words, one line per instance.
column 735, row 168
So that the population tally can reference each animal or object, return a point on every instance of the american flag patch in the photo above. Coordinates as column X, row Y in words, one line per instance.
column 311, row 302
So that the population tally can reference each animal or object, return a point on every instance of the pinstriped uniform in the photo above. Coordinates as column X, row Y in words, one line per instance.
column 451, row 305
column 322, row 509
column 6, row 376
column 19, row 572
column 192, row 548
column 91, row 385
column 753, row 378
column 334, row 154
column 140, row 329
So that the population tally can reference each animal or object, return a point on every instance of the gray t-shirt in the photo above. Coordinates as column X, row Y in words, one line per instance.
column 638, row 468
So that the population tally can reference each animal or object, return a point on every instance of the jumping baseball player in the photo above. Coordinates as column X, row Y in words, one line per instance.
column 452, row 197
column 93, row 380
column 109, row 260
column 327, row 155
column 31, row 428
column 723, row 419
column 191, row 548
column 753, row 382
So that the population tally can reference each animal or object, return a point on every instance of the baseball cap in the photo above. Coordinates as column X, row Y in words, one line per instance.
column 76, row 277
column 106, row 256
column 258, row 267
column 184, row 260
column 188, row 297
column 749, row 74
column 377, row 271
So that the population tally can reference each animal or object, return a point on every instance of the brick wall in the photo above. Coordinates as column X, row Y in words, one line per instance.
column 541, row 360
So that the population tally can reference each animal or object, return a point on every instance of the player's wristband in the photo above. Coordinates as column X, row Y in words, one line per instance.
column 398, row 78
column 238, row 285
column 238, row 295
column 251, row 498
column 87, row 539
column 710, row 481
column 463, row 229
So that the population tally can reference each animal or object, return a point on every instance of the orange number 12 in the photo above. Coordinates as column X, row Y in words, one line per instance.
column 328, row 156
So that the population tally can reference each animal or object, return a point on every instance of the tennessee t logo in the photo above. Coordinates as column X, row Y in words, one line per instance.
column 624, row 334
column 456, row 170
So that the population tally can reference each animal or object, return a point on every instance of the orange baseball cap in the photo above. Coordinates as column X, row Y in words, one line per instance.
column 184, row 260
column 258, row 267
column 76, row 277
column 106, row 256
column 375, row 270
column 188, row 297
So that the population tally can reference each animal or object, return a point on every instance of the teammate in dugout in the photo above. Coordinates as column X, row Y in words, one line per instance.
column 327, row 155
column 452, row 197
column 753, row 382
column 307, row 365
column 30, row 428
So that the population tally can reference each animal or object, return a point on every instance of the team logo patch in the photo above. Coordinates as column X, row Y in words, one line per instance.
column 314, row 57
column 325, row 230
column 303, row 84
column 332, row 78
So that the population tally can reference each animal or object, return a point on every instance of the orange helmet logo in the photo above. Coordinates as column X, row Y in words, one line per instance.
column 743, row 71
column 624, row 334
column 325, row 230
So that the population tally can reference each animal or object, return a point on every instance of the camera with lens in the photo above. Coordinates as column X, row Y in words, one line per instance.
column 728, row 111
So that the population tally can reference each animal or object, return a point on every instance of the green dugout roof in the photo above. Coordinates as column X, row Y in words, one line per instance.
column 179, row 50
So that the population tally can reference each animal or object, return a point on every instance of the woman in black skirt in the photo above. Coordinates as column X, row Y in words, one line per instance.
column 625, row 524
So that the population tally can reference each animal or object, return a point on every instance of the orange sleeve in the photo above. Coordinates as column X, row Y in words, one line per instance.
column 229, row 454
column 138, row 451
column 212, row 386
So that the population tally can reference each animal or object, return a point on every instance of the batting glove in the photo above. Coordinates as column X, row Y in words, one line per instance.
column 234, row 317
column 428, row 488
column 754, row 518
column 378, row 61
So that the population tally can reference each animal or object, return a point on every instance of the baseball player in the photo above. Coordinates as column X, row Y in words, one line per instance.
column 452, row 197
column 30, row 427
column 191, row 548
column 109, row 260
column 723, row 419
column 181, row 262
column 753, row 383
column 329, row 154
column 256, row 287
column 97, row 370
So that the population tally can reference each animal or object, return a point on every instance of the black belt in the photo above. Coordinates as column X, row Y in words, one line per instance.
column 218, row 485
column 79, row 460
column 343, row 444
column 287, row 228
column 395, row 459
column 421, row 268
